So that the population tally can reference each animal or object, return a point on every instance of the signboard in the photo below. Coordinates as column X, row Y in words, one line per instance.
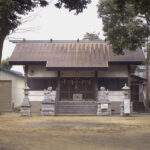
column 127, row 106
column 77, row 97
column 104, row 106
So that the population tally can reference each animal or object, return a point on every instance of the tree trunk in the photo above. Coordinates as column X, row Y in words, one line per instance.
column 147, row 85
column 147, row 75
column 2, row 38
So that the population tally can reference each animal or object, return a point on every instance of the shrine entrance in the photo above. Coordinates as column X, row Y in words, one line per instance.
column 77, row 89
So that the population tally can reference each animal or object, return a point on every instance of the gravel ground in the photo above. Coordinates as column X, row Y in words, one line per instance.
column 74, row 133
column 62, row 124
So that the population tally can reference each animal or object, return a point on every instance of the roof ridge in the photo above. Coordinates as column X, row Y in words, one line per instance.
column 57, row 41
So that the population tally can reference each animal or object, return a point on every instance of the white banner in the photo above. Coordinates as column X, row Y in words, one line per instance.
column 126, row 106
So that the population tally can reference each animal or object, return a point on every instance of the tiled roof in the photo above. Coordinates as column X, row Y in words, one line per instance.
column 65, row 54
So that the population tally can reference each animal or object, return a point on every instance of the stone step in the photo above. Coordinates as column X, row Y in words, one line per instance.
column 70, row 109
column 79, row 106
column 76, row 103
column 76, row 111
column 82, row 104
column 138, row 106
column 88, row 108
column 74, row 108
column 73, row 114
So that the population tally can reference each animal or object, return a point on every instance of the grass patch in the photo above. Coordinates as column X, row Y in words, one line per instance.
column 17, row 109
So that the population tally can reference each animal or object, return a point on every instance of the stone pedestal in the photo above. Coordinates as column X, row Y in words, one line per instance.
column 26, row 106
column 104, row 105
column 48, row 109
column 104, row 109
column 48, row 104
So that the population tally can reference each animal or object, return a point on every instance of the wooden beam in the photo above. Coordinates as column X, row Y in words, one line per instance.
column 26, row 75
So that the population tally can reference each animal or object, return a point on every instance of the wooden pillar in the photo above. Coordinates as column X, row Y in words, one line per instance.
column 58, row 86
column 26, row 75
column 129, row 81
column 96, row 85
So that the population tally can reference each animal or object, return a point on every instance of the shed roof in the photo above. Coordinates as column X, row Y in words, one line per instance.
column 71, row 54
column 16, row 73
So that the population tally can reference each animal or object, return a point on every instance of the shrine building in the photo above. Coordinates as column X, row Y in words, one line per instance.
column 76, row 70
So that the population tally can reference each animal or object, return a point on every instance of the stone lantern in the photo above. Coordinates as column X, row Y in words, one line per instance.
column 126, row 105
column 126, row 91
column 26, row 106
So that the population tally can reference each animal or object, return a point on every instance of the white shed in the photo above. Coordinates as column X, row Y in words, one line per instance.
column 11, row 89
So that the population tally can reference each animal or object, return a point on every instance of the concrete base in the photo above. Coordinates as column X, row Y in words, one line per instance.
column 48, row 109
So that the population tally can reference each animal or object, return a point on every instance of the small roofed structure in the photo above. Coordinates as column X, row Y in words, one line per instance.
column 75, row 71
column 11, row 89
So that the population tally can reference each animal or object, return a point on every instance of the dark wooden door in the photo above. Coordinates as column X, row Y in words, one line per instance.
column 135, row 93
column 70, row 86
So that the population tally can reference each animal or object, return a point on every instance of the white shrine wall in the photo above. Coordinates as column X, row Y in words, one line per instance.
column 39, row 95
column 40, row 72
column 114, row 71
column 37, row 71
column 114, row 96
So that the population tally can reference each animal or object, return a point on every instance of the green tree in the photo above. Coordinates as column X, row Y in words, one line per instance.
column 5, row 64
column 12, row 10
column 91, row 36
column 126, row 25
column 10, row 15
column 77, row 5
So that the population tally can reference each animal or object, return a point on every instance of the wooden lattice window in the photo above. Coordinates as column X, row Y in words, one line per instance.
column 70, row 86
column 112, row 84
column 42, row 83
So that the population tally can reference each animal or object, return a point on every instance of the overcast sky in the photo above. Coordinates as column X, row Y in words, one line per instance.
column 58, row 24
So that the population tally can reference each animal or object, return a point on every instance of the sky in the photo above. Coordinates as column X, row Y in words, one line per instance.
column 53, row 23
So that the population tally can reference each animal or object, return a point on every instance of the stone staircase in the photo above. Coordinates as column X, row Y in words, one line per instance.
column 138, row 106
column 76, row 108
